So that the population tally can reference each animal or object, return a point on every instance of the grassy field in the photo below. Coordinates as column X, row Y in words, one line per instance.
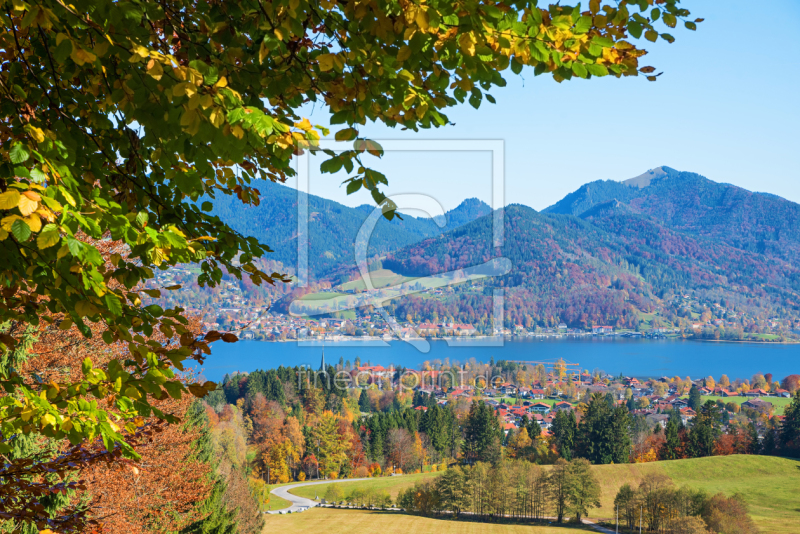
column 379, row 278
column 768, row 484
column 321, row 296
column 372, row 522
column 277, row 503
column 393, row 485
column 780, row 403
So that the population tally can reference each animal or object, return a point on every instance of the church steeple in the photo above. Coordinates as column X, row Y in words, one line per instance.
column 322, row 364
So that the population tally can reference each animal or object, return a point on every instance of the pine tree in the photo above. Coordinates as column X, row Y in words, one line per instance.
column 790, row 429
column 215, row 518
column 363, row 401
column 755, row 444
column 671, row 448
column 565, row 429
column 695, row 399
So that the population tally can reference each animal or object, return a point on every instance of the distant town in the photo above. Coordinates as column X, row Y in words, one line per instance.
column 248, row 311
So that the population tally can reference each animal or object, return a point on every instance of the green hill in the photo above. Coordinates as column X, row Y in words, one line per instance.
column 767, row 483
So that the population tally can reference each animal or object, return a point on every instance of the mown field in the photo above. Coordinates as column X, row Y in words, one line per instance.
column 393, row 485
column 375, row 522
column 768, row 484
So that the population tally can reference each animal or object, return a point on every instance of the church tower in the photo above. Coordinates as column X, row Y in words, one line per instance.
column 322, row 364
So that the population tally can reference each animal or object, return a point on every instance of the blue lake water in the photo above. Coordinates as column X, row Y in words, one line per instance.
column 631, row 357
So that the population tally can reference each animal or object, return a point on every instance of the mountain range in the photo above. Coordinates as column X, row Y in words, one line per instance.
column 666, row 246
column 332, row 227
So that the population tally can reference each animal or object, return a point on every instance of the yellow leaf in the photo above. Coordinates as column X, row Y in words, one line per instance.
column 3, row 235
column 68, row 197
column 81, row 56
column 34, row 223
column 48, row 419
column 304, row 125
column 45, row 214
column 263, row 52
column 156, row 71
column 36, row 133
column 325, row 62
column 27, row 205
column 48, row 238
column 7, row 222
column 222, row 82
column 28, row 412
column 422, row 20
column 404, row 53
column 467, row 44
column 190, row 120
column 9, row 199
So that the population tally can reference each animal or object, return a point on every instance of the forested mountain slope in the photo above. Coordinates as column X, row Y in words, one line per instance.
column 332, row 227
column 609, row 266
column 695, row 205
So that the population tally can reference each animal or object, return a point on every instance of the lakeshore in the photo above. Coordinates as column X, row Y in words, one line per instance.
column 614, row 355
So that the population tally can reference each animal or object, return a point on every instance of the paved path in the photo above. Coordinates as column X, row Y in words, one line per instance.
column 300, row 504
column 597, row 527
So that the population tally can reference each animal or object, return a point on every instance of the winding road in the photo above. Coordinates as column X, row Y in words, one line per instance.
column 300, row 504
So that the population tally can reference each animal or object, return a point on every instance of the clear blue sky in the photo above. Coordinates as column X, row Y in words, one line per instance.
column 727, row 107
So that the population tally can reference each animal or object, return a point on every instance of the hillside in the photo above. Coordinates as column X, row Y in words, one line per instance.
column 766, row 482
column 694, row 205
column 333, row 227
column 608, row 267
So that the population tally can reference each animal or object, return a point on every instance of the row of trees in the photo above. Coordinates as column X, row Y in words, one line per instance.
column 509, row 489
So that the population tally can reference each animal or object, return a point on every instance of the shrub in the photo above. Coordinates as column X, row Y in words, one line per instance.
column 301, row 477
column 728, row 515
column 361, row 472
column 687, row 525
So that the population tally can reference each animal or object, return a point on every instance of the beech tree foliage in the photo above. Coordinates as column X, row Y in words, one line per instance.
column 120, row 119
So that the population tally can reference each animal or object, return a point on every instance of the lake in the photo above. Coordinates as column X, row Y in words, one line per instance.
column 615, row 355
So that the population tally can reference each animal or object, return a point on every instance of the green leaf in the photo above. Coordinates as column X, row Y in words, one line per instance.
column 579, row 69
column 584, row 24
column 597, row 70
column 450, row 20
column 348, row 134
column 651, row 35
column 113, row 303
column 690, row 25
column 605, row 42
column 353, row 186
column 48, row 237
column 20, row 230
column 86, row 366
column 19, row 153
column 206, row 206
column 635, row 29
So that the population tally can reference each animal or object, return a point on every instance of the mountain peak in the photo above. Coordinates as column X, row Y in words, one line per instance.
column 644, row 179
